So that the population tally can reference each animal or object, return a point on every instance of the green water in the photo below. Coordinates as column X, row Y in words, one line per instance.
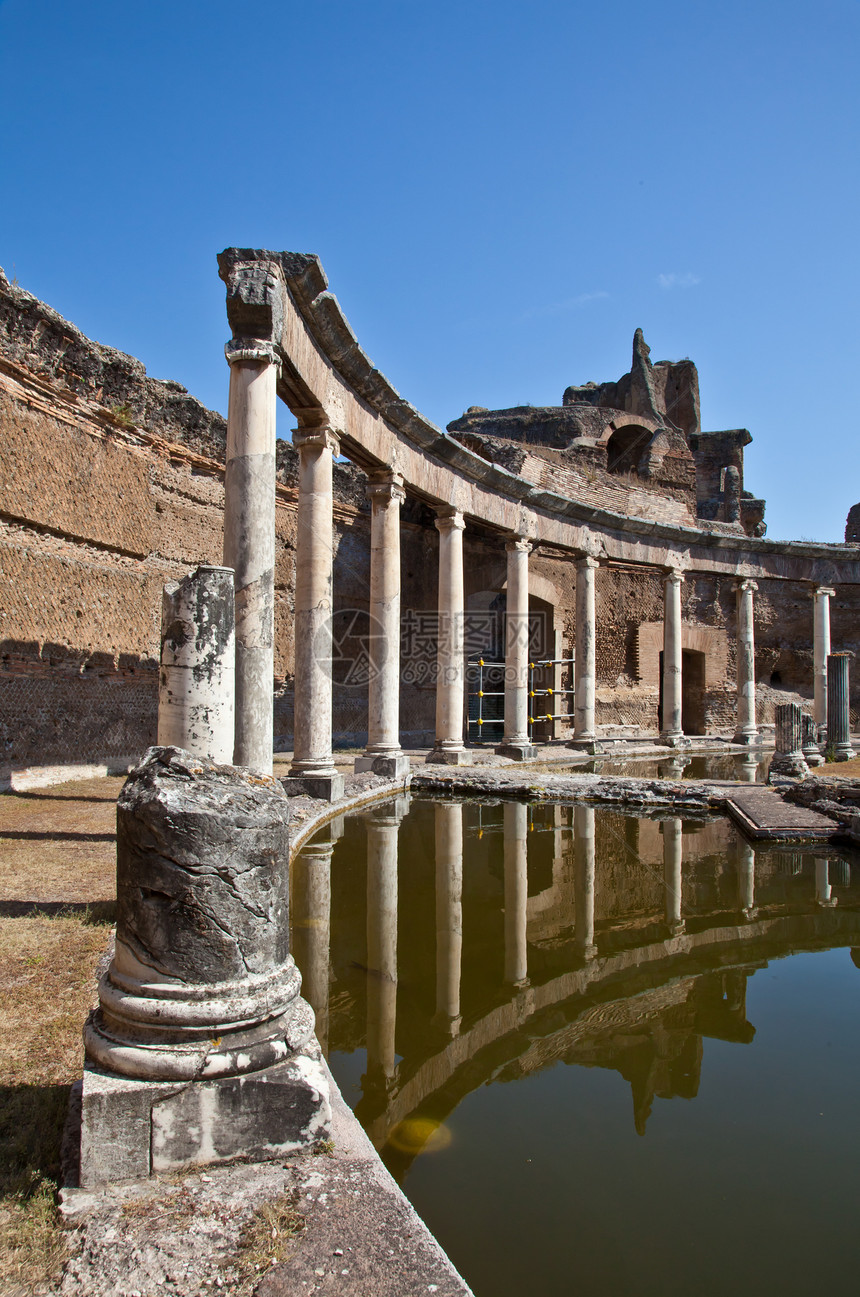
column 601, row 1054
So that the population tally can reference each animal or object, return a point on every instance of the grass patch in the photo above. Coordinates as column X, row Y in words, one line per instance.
column 267, row 1239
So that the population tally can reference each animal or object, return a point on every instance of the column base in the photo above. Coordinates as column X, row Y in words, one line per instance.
column 843, row 752
column 676, row 928
column 517, row 751
column 589, row 744
column 747, row 739
column 131, row 1129
column 790, row 765
column 587, row 953
column 675, row 740
column 813, row 757
column 393, row 765
column 326, row 787
column 449, row 757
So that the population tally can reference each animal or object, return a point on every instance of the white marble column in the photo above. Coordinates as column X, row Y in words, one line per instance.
column 384, row 755
column 249, row 545
column 585, row 657
column 449, row 748
column 198, row 659
column 516, row 892
column 310, row 886
column 583, row 881
column 673, row 639
column 821, row 596
column 382, row 829
column 449, row 913
column 516, row 742
column 673, row 860
column 747, row 730
column 313, row 762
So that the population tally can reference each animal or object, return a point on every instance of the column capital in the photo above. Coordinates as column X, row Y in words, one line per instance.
column 385, row 485
column 746, row 585
column 323, row 438
column 823, row 591
column 673, row 575
column 519, row 543
column 256, row 349
column 449, row 519
column 586, row 562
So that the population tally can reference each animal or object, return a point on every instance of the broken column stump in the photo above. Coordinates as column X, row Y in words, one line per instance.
column 201, row 1049
column 788, row 759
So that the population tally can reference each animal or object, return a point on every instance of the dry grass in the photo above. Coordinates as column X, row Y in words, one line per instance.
column 840, row 769
column 50, row 941
column 266, row 1240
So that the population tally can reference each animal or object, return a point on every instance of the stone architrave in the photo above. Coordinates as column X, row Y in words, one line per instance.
column 747, row 731
column 516, row 742
column 838, row 715
column 788, row 758
column 585, row 657
column 249, row 542
column 672, row 732
column 201, row 1049
column 516, row 892
column 384, row 755
column 313, row 770
column 198, row 655
column 673, row 851
column 449, row 748
column 449, row 914
column 821, row 596
column 809, row 733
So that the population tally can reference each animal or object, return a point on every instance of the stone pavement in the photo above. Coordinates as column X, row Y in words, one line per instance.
column 762, row 813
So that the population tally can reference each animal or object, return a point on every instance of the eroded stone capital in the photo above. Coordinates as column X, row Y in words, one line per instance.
column 384, row 487
column 251, row 349
column 520, row 544
column 450, row 519
column 674, row 576
column 586, row 563
column 316, row 439
column 822, row 592
column 747, row 585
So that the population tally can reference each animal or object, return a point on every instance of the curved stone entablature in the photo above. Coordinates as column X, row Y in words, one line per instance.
column 325, row 378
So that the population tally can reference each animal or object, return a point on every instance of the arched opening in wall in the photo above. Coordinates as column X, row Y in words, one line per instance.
column 692, row 692
column 485, row 637
column 625, row 449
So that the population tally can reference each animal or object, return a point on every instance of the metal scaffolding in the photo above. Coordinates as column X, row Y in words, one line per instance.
column 481, row 665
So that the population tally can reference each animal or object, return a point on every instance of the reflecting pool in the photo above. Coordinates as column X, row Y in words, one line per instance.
column 601, row 1054
column 742, row 767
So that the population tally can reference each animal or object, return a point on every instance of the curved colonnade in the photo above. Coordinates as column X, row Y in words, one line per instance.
column 291, row 340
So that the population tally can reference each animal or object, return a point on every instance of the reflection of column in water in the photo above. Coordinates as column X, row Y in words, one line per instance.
column 516, row 892
column 839, row 872
column 311, row 925
column 746, row 768
column 672, row 864
column 746, row 878
column 449, row 912
column 823, row 893
column 583, row 880
column 381, row 943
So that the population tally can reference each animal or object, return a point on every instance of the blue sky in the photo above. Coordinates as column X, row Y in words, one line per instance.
column 500, row 193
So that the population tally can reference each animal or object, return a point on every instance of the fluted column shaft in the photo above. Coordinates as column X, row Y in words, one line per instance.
column 313, row 603
column 821, row 597
column 585, row 658
column 383, row 752
column 583, row 880
column 450, row 665
column 672, row 731
column 747, row 730
column 449, row 911
column 516, row 742
column 516, row 892
column 249, row 545
column 838, row 713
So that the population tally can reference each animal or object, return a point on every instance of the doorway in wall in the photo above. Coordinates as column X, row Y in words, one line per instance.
column 692, row 691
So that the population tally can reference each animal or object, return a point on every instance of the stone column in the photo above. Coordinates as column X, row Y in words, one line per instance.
column 672, row 732
column 384, row 755
column 583, row 881
column 198, row 656
column 382, row 829
column 673, row 851
column 313, row 768
column 809, row 744
column 201, row 999
column 516, row 892
column 449, row 913
column 310, row 878
column 821, row 596
column 838, row 716
column 516, row 742
column 746, row 878
column 747, row 730
column 450, row 664
column 585, row 657
column 823, row 891
column 788, row 758
column 249, row 544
